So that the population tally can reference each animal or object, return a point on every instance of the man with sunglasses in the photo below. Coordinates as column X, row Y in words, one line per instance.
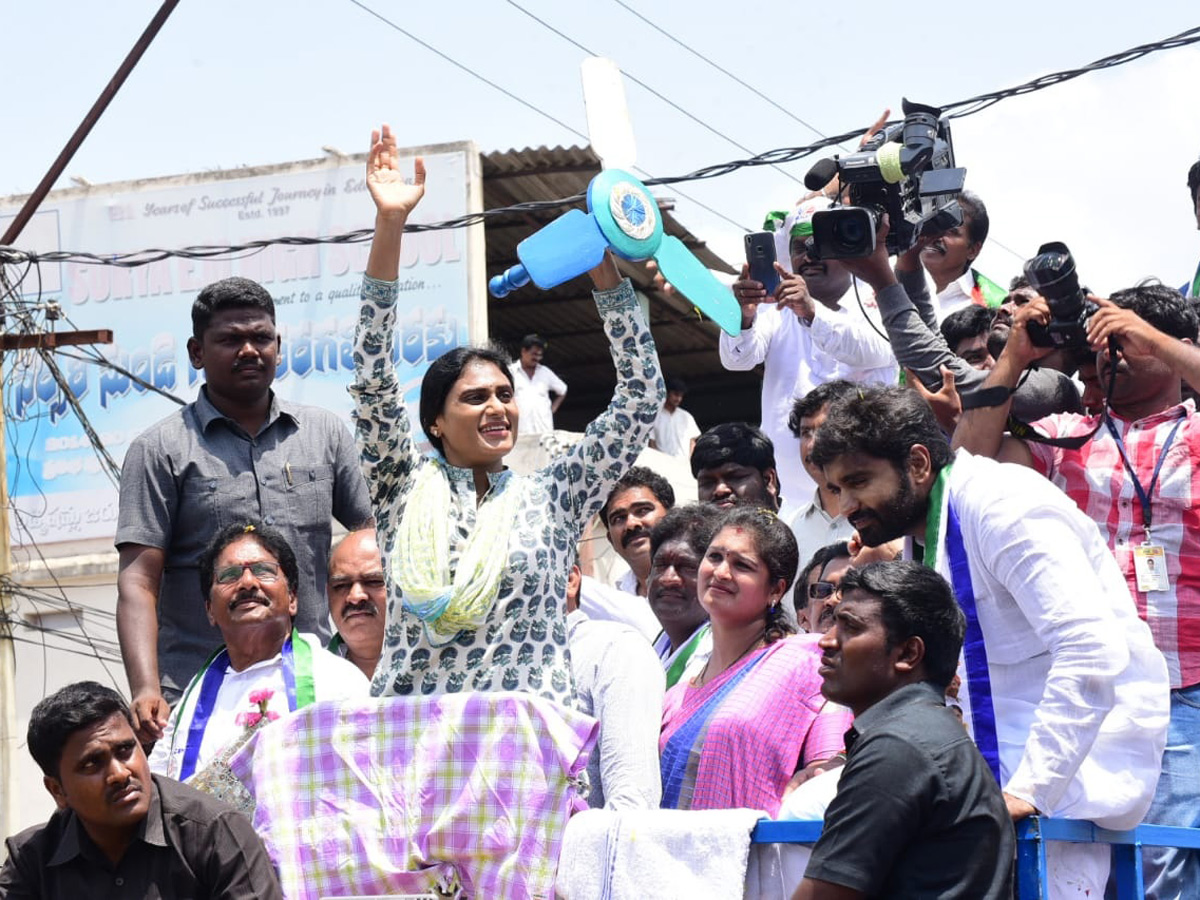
column 266, row 668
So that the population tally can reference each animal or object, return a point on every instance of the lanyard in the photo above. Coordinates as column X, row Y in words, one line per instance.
column 297, row 680
column 1143, row 493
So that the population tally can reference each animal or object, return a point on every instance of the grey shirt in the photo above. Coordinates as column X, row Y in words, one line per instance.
column 189, row 845
column 918, row 812
column 195, row 472
column 909, row 319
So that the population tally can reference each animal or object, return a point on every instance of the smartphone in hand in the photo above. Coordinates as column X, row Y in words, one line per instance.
column 760, row 256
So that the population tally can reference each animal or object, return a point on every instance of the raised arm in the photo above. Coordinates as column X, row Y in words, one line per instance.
column 1139, row 338
column 750, row 347
column 384, row 433
column 614, row 439
column 916, row 344
column 394, row 199
column 981, row 430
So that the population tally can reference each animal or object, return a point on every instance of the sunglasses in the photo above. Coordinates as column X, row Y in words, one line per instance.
column 264, row 571
column 820, row 590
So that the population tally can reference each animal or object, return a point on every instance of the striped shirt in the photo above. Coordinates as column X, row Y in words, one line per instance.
column 1096, row 478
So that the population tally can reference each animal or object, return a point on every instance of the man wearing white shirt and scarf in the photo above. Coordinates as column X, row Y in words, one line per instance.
column 265, row 668
column 812, row 330
column 677, row 544
column 1064, row 692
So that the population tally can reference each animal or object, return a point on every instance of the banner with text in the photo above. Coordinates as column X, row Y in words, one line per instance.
column 59, row 490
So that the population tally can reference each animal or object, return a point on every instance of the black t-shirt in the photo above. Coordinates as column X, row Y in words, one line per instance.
column 918, row 814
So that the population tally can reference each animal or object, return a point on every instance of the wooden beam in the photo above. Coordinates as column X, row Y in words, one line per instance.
column 51, row 339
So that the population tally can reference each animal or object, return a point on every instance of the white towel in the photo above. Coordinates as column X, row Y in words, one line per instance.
column 776, row 870
column 661, row 853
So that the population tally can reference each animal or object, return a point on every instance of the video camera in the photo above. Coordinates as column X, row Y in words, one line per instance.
column 1052, row 274
column 905, row 170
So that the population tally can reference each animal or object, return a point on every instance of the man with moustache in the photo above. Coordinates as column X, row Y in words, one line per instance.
column 1064, row 691
column 357, row 590
column 811, row 330
column 238, row 453
column 677, row 545
column 639, row 500
column 120, row 831
column 266, row 668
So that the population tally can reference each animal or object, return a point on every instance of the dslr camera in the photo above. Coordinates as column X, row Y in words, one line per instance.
column 905, row 170
column 1052, row 274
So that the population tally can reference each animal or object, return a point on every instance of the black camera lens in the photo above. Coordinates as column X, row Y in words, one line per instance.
column 849, row 232
column 846, row 232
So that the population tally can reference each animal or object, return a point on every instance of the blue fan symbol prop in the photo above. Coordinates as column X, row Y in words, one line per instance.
column 622, row 215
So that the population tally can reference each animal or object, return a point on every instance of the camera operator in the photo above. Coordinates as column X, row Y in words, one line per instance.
column 1139, row 479
column 809, row 332
column 919, row 346
column 948, row 257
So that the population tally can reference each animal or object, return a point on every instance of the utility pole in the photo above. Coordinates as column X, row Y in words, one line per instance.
column 8, row 718
column 10, row 737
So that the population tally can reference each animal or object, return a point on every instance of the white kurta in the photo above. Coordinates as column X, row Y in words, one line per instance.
column 796, row 357
column 533, row 397
column 333, row 679
column 602, row 603
column 1080, row 692
column 673, row 432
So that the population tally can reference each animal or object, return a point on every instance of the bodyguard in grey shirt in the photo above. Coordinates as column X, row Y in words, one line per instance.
column 238, row 454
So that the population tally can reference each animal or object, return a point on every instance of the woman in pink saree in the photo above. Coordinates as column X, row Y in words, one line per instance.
column 736, row 733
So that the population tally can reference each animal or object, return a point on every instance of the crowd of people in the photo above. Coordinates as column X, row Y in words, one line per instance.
column 895, row 602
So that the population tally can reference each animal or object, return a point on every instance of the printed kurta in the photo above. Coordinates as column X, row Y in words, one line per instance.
column 522, row 645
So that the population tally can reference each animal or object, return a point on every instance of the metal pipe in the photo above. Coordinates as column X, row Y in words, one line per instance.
column 89, row 121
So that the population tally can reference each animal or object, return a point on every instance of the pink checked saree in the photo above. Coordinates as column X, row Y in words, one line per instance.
column 736, row 741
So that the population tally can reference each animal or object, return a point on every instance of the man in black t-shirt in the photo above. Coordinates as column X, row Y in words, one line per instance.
column 918, row 813
column 120, row 831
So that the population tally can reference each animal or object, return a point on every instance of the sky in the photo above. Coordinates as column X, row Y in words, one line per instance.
column 1099, row 163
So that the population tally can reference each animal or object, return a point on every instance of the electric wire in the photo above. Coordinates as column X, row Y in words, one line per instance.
column 962, row 108
column 539, row 111
column 671, row 103
column 708, row 61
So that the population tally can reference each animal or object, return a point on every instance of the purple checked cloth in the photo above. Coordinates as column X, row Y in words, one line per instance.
column 399, row 794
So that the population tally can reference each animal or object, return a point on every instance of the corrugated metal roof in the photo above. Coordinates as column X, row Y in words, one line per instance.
column 566, row 316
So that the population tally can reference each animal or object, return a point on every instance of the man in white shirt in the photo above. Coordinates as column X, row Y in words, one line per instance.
column 266, row 669
column 539, row 391
column 817, row 522
column 1064, row 691
column 675, row 431
column 812, row 330
column 948, row 257
column 619, row 682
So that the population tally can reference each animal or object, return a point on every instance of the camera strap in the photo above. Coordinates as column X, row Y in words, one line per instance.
column 994, row 396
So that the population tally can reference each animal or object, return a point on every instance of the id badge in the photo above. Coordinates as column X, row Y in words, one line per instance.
column 1150, row 567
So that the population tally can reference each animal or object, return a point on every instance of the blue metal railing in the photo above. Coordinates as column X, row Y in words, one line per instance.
column 1032, row 835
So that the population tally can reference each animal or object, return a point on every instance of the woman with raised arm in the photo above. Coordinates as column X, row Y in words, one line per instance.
column 477, row 557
